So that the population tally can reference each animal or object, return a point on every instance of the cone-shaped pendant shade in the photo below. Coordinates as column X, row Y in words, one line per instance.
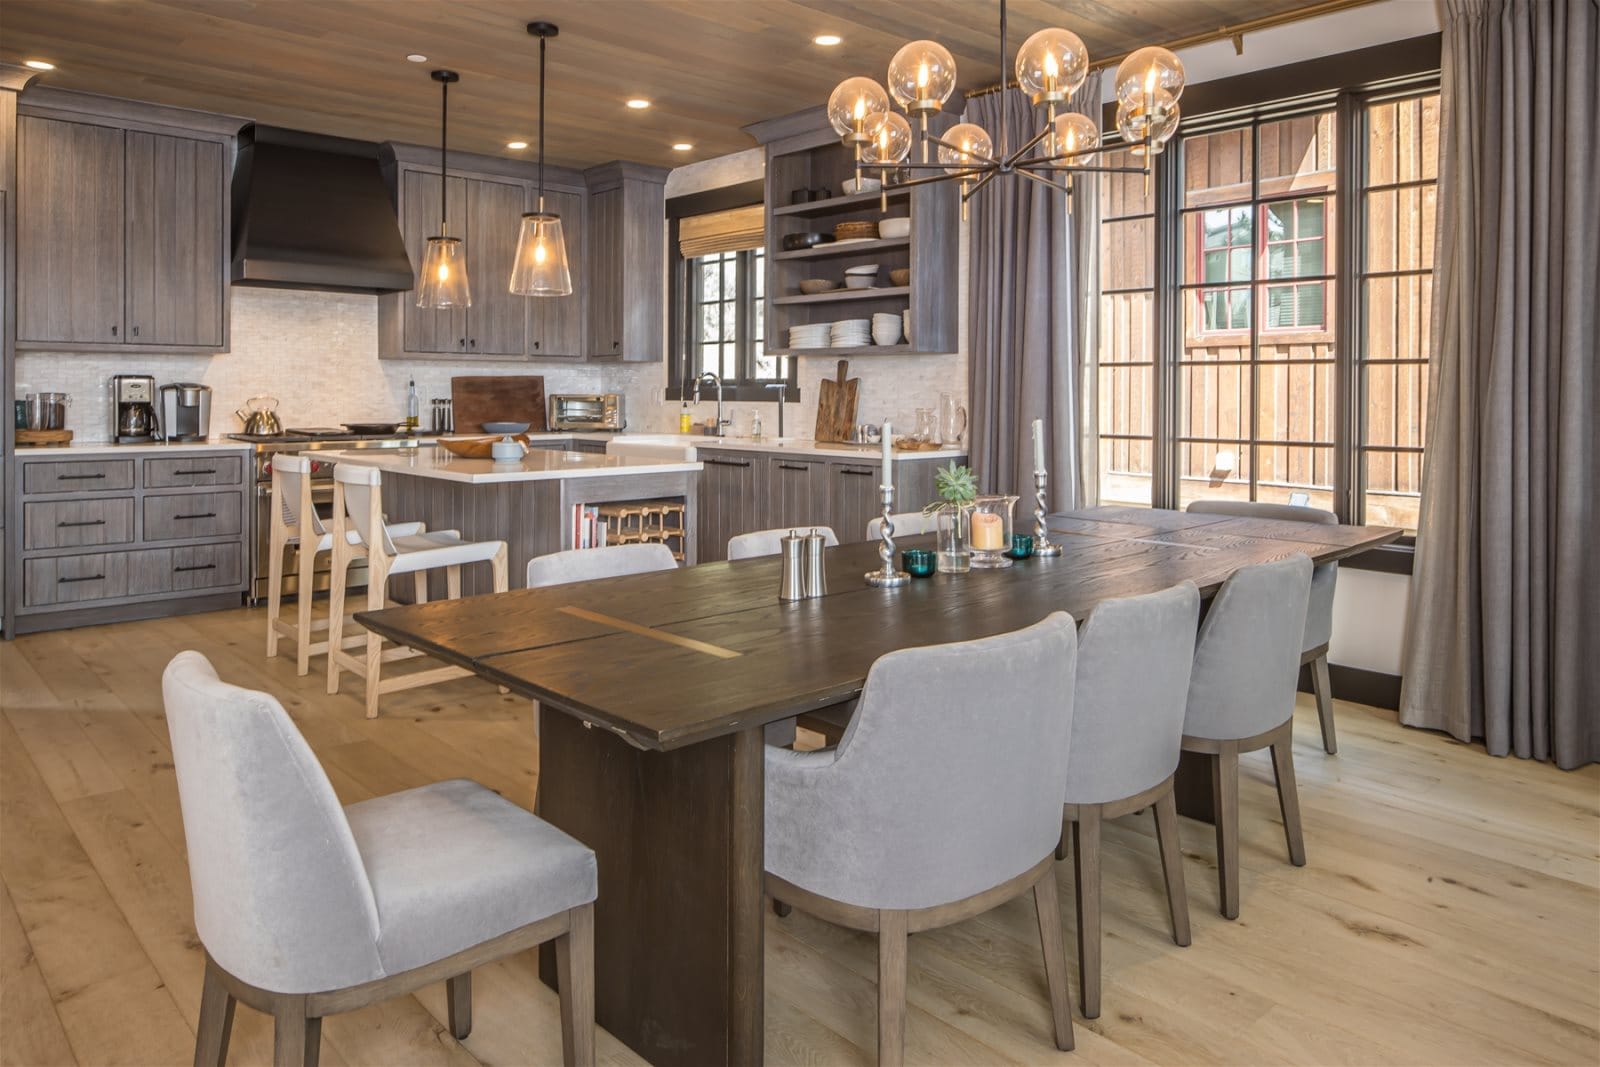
column 443, row 278
column 541, row 265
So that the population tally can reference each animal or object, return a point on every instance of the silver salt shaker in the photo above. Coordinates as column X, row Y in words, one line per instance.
column 816, row 574
column 791, row 583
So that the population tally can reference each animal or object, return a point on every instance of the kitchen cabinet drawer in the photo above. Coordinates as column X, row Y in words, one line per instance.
column 173, row 570
column 70, row 523
column 854, row 499
column 177, row 471
column 74, row 579
column 180, row 516
column 89, row 476
column 730, row 492
column 797, row 493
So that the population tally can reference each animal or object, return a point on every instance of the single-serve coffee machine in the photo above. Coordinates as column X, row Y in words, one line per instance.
column 133, row 409
column 185, row 411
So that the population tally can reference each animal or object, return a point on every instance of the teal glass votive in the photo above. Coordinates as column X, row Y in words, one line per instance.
column 918, row 562
column 1021, row 546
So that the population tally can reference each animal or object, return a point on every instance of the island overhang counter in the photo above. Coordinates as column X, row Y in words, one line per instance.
column 529, row 504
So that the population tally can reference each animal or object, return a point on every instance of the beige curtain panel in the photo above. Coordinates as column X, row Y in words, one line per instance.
column 733, row 230
column 1504, row 635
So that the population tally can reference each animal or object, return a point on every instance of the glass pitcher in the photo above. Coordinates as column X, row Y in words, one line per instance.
column 952, row 420
column 990, row 531
column 927, row 429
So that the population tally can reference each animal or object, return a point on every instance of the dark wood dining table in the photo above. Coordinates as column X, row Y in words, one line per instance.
column 655, row 691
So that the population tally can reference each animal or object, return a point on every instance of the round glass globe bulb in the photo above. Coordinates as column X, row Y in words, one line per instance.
column 856, row 109
column 1159, row 123
column 1149, row 70
column 1051, row 65
column 1076, row 133
column 972, row 147
column 892, row 142
column 922, row 75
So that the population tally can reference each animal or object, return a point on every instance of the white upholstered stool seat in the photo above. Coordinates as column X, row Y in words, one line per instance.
column 770, row 542
column 438, row 548
column 295, row 524
column 906, row 524
column 591, row 564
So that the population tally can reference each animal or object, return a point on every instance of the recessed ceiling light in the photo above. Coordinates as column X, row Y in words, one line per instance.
column 516, row 146
column 638, row 103
column 826, row 40
column 417, row 57
column 682, row 146
column 39, row 64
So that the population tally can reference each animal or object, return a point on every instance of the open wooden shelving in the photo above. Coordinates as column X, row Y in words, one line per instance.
column 845, row 248
column 841, row 295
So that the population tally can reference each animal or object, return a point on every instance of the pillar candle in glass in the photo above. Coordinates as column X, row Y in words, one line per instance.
column 991, row 530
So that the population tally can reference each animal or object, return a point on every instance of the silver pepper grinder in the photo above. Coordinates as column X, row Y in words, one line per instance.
column 816, row 574
column 792, row 582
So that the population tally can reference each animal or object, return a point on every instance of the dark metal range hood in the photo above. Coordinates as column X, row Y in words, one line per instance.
column 314, row 212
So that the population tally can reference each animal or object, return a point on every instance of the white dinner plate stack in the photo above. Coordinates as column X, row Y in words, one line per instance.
column 852, row 333
column 886, row 328
column 815, row 335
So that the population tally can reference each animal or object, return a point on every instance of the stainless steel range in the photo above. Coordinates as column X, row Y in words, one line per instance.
column 321, row 494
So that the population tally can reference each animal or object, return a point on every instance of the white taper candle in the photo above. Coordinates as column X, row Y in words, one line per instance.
column 1038, row 446
column 888, row 456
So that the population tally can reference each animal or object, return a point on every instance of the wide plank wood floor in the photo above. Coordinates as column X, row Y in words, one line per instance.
column 1450, row 913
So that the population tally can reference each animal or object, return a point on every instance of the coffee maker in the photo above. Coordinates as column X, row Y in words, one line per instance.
column 133, row 409
column 185, row 411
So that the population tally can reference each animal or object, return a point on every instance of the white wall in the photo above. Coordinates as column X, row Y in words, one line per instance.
column 316, row 352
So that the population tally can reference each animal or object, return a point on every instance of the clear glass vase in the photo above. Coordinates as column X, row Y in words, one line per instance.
column 989, row 531
column 951, row 550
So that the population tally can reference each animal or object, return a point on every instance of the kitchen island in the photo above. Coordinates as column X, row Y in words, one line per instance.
column 527, row 504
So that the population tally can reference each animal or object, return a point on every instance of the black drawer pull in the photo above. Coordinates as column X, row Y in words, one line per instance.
column 853, row 470
column 204, row 470
column 78, row 477
column 201, row 515
column 85, row 522
column 728, row 462
column 85, row 578
column 793, row 467
column 196, row 567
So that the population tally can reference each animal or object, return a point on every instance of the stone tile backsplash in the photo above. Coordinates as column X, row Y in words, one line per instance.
column 316, row 352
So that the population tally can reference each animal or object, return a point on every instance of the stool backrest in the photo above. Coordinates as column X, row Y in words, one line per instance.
column 362, row 490
column 1134, row 659
column 906, row 524
column 1319, row 607
column 587, row 564
column 1247, row 657
column 291, row 488
column 281, row 897
column 769, row 542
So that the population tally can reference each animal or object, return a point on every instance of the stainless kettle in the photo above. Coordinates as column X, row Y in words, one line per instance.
column 260, row 416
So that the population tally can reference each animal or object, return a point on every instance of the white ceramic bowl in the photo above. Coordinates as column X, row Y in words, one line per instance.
column 865, row 185
column 859, row 281
column 865, row 268
column 894, row 227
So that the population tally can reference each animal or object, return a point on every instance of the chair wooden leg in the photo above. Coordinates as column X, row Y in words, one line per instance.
column 780, row 909
column 1086, row 879
column 306, row 561
column 1225, row 804
column 1323, row 688
column 575, row 979
column 341, row 564
column 892, row 938
column 296, row 1038
column 1166, row 813
column 1289, row 798
column 452, row 582
column 1061, row 844
column 458, row 998
column 1048, row 906
column 501, row 568
column 274, row 595
column 216, row 1021
column 419, row 587
column 374, row 652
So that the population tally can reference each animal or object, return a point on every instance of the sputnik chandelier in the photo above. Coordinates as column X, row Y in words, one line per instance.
column 1051, row 65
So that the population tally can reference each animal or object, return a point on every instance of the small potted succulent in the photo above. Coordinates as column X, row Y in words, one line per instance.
column 957, row 489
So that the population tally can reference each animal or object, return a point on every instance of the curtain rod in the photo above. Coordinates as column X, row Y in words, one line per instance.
column 1223, row 33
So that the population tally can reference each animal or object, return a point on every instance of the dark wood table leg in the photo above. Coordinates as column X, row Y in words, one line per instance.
column 1192, row 786
column 678, row 924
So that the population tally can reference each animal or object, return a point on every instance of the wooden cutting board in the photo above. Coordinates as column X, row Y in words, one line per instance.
column 498, row 398
column 836, row 406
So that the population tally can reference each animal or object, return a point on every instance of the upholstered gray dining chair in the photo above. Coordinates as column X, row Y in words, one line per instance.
column 906, row 524
column 588, row 564
column 308, row 909
column 1241, row 698
column 1319, row 608
column 909, row 825
column 769, row 542
column 1134, row 658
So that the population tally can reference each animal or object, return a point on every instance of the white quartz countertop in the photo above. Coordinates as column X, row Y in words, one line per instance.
column 91, row 448
column 537, row 465
column 791, row 446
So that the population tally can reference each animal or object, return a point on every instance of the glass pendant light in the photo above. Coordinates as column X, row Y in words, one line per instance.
column 1051, row 65
column 540, row 268
column 856, row 109
column 966, row 145
column 922, row 75
column 1075, row 136
column 892, row 143
column 444, row 265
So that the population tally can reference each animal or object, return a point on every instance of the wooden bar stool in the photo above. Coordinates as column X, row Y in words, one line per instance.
column 296, row 524
column 359, row 531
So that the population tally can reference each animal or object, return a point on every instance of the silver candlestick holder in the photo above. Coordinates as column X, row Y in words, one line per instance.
column 1042, row 545
column 886, row 576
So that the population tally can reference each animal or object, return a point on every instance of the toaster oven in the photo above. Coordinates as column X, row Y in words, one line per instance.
column 587, row 411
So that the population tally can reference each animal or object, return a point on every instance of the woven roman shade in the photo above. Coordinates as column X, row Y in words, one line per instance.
column 733, row 230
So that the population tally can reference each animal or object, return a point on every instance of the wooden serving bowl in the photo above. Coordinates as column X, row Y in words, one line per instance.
column 478, row 446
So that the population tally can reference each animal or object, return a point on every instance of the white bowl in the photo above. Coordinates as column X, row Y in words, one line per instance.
column 894, row 227
column 862, row 268
column 859, row 281
column 865, row 185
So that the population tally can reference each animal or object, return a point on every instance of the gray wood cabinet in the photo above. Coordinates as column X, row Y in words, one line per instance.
column 797, row 492
column 626, row 250
column 426, row 330
column 497, row 321
column 732, row 487
column 555, row 326
column 122, row 229
column 853, row 498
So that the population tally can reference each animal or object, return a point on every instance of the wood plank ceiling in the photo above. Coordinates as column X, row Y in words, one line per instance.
column 708, row 66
